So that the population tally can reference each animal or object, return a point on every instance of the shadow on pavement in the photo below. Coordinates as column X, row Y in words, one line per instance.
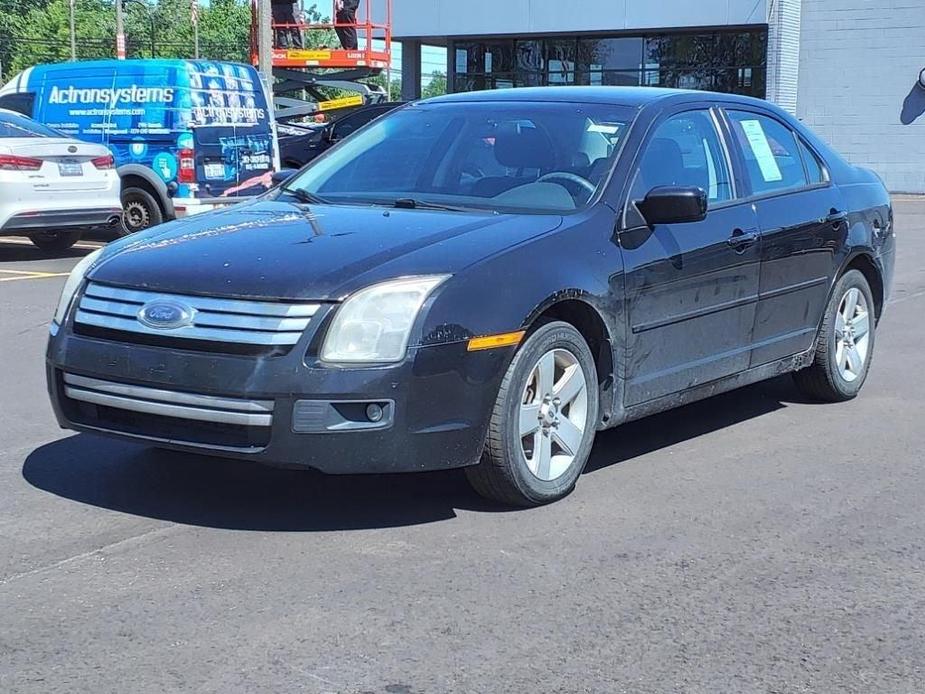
column 213, row 492
column 685, row 423
column 232, row 494
column 21, row 252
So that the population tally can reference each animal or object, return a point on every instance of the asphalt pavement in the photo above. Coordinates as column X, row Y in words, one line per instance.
column 753, row 542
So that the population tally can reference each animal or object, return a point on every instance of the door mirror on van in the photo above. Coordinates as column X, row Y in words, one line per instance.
column 283, row 175
column 673, row 205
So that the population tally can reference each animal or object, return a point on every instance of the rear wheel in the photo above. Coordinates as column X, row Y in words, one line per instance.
column 55, row 241
column 543, row 423
column 139, row 211
column 845, row 344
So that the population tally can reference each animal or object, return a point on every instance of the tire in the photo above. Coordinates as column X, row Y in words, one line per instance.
column 833, row 376
column 140, row 210
column 55, row 241
column 504, row 472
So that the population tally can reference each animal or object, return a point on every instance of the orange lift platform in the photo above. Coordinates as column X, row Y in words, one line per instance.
column 301, row 70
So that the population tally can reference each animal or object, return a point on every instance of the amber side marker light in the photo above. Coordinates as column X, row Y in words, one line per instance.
column 493, row 341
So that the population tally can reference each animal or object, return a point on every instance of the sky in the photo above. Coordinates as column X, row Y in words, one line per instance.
column 433, row 58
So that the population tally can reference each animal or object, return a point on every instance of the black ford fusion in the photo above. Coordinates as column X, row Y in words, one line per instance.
column 484, row 281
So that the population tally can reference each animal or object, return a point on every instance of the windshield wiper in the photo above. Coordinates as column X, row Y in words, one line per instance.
column 413, row 204
column 304, row 196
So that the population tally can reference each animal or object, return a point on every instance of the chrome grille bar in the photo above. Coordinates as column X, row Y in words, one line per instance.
column 169, row 403
column 235, row 321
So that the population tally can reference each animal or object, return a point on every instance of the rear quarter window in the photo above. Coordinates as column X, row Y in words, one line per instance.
column 815, row 169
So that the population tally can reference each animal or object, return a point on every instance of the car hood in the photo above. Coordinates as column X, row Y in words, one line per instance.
column 277, row 250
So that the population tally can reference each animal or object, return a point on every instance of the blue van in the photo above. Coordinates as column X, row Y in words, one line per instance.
column 187, row 135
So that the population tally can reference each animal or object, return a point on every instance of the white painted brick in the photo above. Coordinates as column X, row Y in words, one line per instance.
column 859, row 59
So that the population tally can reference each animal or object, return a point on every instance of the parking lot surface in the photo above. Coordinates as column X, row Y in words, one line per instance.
column 754, row 542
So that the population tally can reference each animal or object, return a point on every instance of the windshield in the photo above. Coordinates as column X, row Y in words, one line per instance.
column 496, row 156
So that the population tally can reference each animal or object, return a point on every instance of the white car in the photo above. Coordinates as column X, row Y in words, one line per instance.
column 52, row 187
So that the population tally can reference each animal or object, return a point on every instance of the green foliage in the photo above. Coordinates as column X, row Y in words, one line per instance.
column 436, row 87
column 38, row 31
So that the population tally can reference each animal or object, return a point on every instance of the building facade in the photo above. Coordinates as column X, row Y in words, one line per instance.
column 848, row 68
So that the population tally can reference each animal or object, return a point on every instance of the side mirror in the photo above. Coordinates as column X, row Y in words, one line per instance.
column 283, row 175
column 674, row 204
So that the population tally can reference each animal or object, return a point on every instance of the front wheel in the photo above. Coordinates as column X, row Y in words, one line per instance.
column 543, row 423
column 54, row 241
column 845, row 344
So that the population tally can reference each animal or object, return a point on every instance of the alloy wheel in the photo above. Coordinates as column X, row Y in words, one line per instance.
column 553, row 414
column 852, row 334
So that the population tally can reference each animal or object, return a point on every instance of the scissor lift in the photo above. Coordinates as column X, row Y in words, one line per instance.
column 308, row 71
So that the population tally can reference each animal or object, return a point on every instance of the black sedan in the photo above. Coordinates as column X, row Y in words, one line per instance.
column 485, row 280
column 299, row 144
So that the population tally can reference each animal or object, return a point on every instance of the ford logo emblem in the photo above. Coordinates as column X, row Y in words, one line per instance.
column 165, row 314
column 72, row 149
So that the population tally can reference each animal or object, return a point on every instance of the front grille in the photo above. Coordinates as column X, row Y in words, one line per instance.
column 233, row 322
column 168, row 415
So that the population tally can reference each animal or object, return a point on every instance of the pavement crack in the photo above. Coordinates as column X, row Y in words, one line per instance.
column 98, row 551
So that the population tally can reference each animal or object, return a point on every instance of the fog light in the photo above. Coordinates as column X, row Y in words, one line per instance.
column 374, row 412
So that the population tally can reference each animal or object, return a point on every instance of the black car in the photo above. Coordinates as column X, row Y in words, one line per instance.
column 485, row 280
column 299, row 144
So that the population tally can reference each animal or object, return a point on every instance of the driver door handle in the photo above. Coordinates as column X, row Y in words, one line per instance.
column 742, row 239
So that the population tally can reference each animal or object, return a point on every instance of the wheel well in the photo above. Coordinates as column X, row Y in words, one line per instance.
column 133, row 181
column 589, row 323
column 866, row 266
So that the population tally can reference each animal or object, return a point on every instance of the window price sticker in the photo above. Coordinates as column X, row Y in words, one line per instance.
column 758, row 141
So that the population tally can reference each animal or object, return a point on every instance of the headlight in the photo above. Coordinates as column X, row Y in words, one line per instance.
column 73, row 284
column 374, row 325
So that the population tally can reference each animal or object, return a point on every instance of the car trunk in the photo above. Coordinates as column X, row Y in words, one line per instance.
column 67, row 164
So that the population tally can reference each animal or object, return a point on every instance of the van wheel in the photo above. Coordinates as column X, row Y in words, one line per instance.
column 139, row 211
column 54, row 241
column 543, row 423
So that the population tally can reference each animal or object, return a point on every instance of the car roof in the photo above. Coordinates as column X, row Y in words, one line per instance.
column 634, row 97
column 90, row 65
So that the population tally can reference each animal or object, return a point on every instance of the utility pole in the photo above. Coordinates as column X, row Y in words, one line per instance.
column 120, row 32
column 73, row 32
column 194, row 15
column 265, row 40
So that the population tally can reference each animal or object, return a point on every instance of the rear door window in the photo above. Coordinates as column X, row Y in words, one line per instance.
column 770, row 152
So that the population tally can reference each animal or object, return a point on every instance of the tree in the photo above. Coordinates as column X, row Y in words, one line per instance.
column 436, row 86
column 38, row 31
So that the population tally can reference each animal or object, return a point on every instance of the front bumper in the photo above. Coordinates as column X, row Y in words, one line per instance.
column 285, row 410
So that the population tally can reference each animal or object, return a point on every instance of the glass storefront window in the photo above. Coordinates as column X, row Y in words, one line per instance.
column 499, row 57
column 560, row 58
column 529, row 56
column 728, row 61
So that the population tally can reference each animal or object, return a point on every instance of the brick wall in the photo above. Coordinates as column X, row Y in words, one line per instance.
column 784, row 52
column 859, row 64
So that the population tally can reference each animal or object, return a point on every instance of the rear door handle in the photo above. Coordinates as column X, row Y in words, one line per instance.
column 740, row 240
